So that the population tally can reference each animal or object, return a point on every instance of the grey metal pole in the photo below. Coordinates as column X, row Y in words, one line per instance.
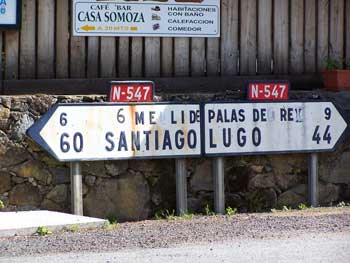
column 313, row 180
column 219, row 185
column 76, row 182
column 181, row 186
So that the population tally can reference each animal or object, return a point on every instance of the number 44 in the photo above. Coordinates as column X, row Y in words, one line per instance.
column 326, row 136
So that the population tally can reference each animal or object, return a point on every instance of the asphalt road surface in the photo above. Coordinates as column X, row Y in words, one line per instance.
column 282, row 237
column 302, row 248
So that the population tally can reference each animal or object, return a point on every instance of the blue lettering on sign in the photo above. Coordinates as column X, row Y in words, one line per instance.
column 192, row 139
column 167, row 141
column 179, row 141
column 139, row 117
column 241, row 139
column 211, row 139
column 122, row 142
column 135, row 141
column 109, row 137
column 151, row 117
column 226, row 134
column 211, row 115
column 156, row 140
column 173, row 121
column 147, row 133
column 259, row 115
column 194, row 116
column 142, row 140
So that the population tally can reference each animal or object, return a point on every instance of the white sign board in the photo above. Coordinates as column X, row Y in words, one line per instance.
column 9, row 13
column 255, row 128
column 174, row 18
column 114, row 131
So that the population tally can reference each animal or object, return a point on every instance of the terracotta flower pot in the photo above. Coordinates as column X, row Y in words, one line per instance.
column 336, row 80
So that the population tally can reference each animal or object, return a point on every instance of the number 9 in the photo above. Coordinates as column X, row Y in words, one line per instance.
column 328, row 114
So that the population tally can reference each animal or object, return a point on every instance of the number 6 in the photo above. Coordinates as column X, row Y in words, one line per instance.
column 63, row 119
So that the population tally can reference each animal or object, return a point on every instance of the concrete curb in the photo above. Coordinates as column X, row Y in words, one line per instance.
column 27, row 222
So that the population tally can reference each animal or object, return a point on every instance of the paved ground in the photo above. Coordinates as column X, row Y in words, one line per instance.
column 27, row 222
column 323, row 235
column 301, row 248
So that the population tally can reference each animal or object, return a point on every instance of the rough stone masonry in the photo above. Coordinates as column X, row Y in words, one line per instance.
column 134, row 190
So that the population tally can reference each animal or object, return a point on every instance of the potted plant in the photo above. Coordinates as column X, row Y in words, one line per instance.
column 335, row 78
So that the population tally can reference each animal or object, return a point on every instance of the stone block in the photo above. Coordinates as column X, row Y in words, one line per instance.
column 262, row 181
column 94, row 168
column 25, row 195
column 58, row 194
column 5, row 182
column 115, row 168
column 89, row 180
column 20, row 127
column 202, row 178
column 60, row 175
column 340, row 174
column 33, row 169
column 327, row 194
column 126, row 197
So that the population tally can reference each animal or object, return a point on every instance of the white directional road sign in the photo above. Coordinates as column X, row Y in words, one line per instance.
column 253, row 128
column 77, row 132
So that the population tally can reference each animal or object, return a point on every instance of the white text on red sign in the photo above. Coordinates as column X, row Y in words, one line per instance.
column 268, row 91
column 136, row 92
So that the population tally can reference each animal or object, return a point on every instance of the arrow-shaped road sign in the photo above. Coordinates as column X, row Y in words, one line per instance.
column 77, row 132
column 281, row 127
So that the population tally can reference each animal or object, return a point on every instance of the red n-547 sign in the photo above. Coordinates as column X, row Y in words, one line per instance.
column 131, row 91
column 264, row 90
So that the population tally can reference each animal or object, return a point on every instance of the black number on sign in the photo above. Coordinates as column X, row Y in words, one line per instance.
column 64, row 143
column 316, row 137
column 63, row 119
column 328, row 114
column 120, row 116
column 78, row 142
column 327, row 135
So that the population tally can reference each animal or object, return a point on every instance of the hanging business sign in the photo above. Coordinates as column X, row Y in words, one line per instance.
column 256, row 128
column 173, row 18
column 10, row 13
column 106, row 131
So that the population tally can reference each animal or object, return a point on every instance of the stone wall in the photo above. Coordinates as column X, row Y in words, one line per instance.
column 134, row 190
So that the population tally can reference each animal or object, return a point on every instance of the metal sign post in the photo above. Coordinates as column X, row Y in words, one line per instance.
column 181, row 187
column 313, row 180
column 219, row 185
column 76, row 188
